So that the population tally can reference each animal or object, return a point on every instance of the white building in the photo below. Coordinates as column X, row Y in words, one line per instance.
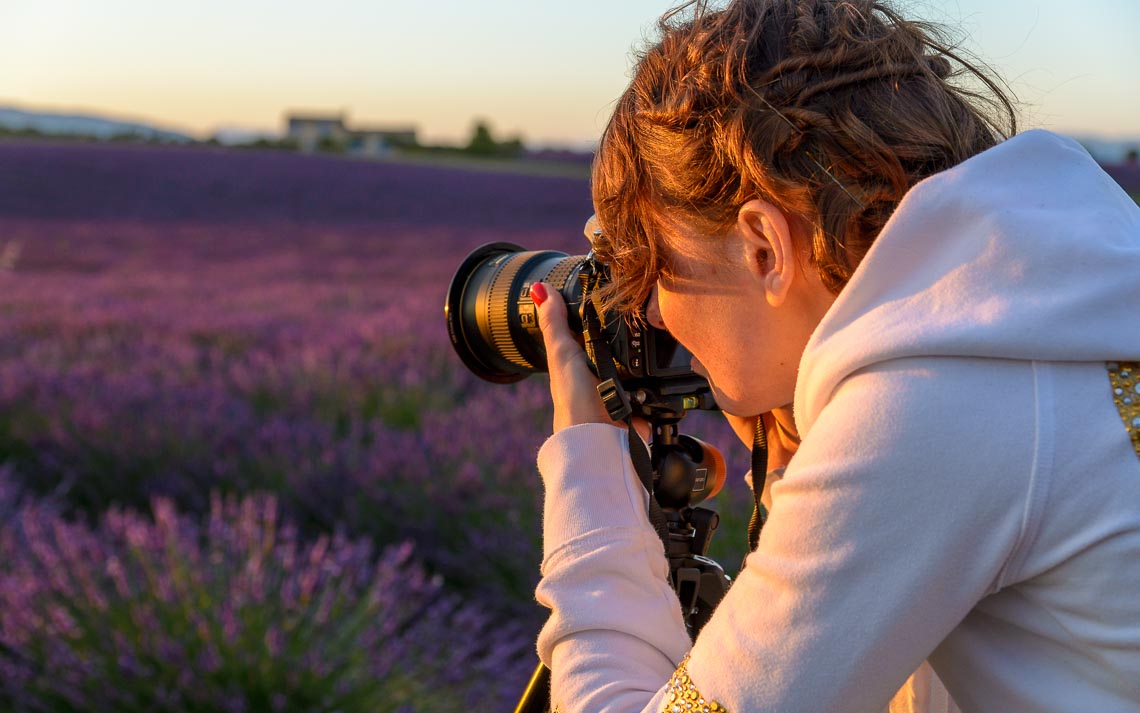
column 314, row 132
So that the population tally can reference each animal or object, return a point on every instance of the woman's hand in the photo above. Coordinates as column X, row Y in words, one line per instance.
column 573, row 387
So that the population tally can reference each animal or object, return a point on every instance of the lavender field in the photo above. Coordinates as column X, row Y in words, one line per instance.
column 240, row 467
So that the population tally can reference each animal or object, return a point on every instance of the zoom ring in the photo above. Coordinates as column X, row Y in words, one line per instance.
column 562, row 271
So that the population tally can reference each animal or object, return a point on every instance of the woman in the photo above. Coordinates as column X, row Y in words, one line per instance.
column 940, row 328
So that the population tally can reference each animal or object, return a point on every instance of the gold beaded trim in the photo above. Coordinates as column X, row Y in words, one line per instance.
column 1125, row 378
column 684, row 697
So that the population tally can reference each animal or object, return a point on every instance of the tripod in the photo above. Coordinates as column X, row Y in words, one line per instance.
column 700, row 582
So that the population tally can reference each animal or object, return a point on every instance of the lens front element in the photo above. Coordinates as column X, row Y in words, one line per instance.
column 491, row 320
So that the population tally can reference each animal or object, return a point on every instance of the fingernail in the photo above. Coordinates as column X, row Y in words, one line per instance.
column 538, row 293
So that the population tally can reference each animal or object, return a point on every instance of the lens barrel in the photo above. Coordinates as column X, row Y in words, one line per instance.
column 491, row 319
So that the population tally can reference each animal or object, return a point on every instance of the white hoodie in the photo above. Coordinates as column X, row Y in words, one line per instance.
column 965, row 489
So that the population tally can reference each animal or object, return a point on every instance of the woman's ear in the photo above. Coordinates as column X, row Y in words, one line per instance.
column 769, row 250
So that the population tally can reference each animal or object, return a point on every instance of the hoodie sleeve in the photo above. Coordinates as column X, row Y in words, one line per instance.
column 898, row 514
column 615, row 633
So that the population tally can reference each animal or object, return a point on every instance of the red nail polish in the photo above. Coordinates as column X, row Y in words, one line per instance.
column 538, row 293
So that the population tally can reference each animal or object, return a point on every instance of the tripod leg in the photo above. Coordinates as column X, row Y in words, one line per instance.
column 536, row 697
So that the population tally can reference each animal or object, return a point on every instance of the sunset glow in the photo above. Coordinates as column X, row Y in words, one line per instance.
column 548, row 72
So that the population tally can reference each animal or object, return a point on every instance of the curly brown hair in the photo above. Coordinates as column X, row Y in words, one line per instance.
column 829, row 109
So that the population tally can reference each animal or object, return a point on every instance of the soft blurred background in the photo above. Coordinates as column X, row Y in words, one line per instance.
column 240, row 467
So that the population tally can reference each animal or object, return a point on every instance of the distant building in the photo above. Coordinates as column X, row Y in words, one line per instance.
column 310, row 131
column 313, row 132
column 374, row 141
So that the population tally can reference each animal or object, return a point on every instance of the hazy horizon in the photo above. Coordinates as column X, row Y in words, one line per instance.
column 547, row 73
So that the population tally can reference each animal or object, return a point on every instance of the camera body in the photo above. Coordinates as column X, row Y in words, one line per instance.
column 493, row 325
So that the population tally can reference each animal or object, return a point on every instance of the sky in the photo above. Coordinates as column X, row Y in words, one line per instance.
column 546, row 70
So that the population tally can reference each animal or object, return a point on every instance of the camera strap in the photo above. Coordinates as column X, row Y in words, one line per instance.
column 617, row 405
column 643, row 465
column 759, row 477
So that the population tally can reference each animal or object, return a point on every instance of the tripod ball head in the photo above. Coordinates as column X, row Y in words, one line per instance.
column 689, row 471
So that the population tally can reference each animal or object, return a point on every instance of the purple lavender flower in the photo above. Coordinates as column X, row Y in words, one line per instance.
column 374, row 632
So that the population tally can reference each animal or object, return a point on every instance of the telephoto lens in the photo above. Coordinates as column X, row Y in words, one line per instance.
column 491, row 319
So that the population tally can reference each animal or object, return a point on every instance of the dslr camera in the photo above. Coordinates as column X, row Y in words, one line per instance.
column 493, row 326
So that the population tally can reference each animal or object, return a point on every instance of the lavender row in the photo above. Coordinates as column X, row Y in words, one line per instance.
column 235, row 614
column 426, row 454
column 70, row 181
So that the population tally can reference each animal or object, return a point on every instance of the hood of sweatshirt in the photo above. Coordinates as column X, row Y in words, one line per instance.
column 1026, row 251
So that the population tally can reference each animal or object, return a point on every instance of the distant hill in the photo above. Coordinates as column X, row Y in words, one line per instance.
column 83, row 125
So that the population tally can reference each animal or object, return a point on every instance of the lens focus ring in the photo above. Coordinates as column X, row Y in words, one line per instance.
column 498, row 309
